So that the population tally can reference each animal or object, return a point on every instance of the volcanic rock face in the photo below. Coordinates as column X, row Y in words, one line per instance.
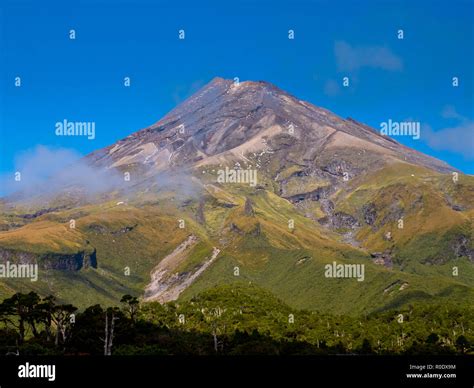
column 225, row 121
column 56, row 261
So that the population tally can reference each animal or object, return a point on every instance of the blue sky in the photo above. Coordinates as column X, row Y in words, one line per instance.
column 82, row 79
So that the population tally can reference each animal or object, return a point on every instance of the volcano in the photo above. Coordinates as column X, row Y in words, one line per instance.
column 324, row 189
column 227, row 121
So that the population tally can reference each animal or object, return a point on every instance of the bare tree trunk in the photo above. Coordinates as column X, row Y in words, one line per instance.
column 106, row 339
column 215, row 340
column 111, row 335
column 56, row 340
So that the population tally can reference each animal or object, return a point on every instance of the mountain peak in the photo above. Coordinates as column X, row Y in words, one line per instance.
column 228, row 121
column 236, row 84
column 218, row 80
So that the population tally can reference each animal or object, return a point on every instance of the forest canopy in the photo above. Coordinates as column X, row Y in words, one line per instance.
column 227, row 320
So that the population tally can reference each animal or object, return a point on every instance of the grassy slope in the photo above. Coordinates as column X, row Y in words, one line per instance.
column 288, row 262
column 155, row 233
column 291, row 263
column 418, row 196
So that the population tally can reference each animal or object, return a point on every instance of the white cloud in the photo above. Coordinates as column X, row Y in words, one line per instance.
column 449, row 112
column 46, row 171
column 352, row 58
column 458, row 139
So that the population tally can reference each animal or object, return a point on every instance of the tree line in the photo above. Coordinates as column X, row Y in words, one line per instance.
column 227, row 320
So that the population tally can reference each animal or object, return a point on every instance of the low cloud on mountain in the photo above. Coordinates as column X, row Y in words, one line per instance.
column 46, row 171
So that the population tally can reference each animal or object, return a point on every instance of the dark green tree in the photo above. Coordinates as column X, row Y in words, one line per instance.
column 432, row 339
column 131, row 306
column 21, row 311
column 462, row 344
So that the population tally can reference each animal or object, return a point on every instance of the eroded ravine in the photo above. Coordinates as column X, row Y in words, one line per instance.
column 167, row 284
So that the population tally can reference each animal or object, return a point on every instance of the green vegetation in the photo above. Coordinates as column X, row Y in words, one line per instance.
column 287, row 261
column 240, row 319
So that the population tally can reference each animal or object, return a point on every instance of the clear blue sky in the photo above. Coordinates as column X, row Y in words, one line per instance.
column 82, row 79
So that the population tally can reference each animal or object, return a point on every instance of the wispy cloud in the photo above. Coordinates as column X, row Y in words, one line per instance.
column 458, row 138
column 352, row 58
column 449, row 112
column 46, row 171
column 49, row 173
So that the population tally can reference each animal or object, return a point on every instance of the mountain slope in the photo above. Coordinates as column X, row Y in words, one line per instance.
column 326, row 190
column 226, row 122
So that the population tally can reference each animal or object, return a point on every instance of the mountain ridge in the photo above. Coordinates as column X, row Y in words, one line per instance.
column 224, row 115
